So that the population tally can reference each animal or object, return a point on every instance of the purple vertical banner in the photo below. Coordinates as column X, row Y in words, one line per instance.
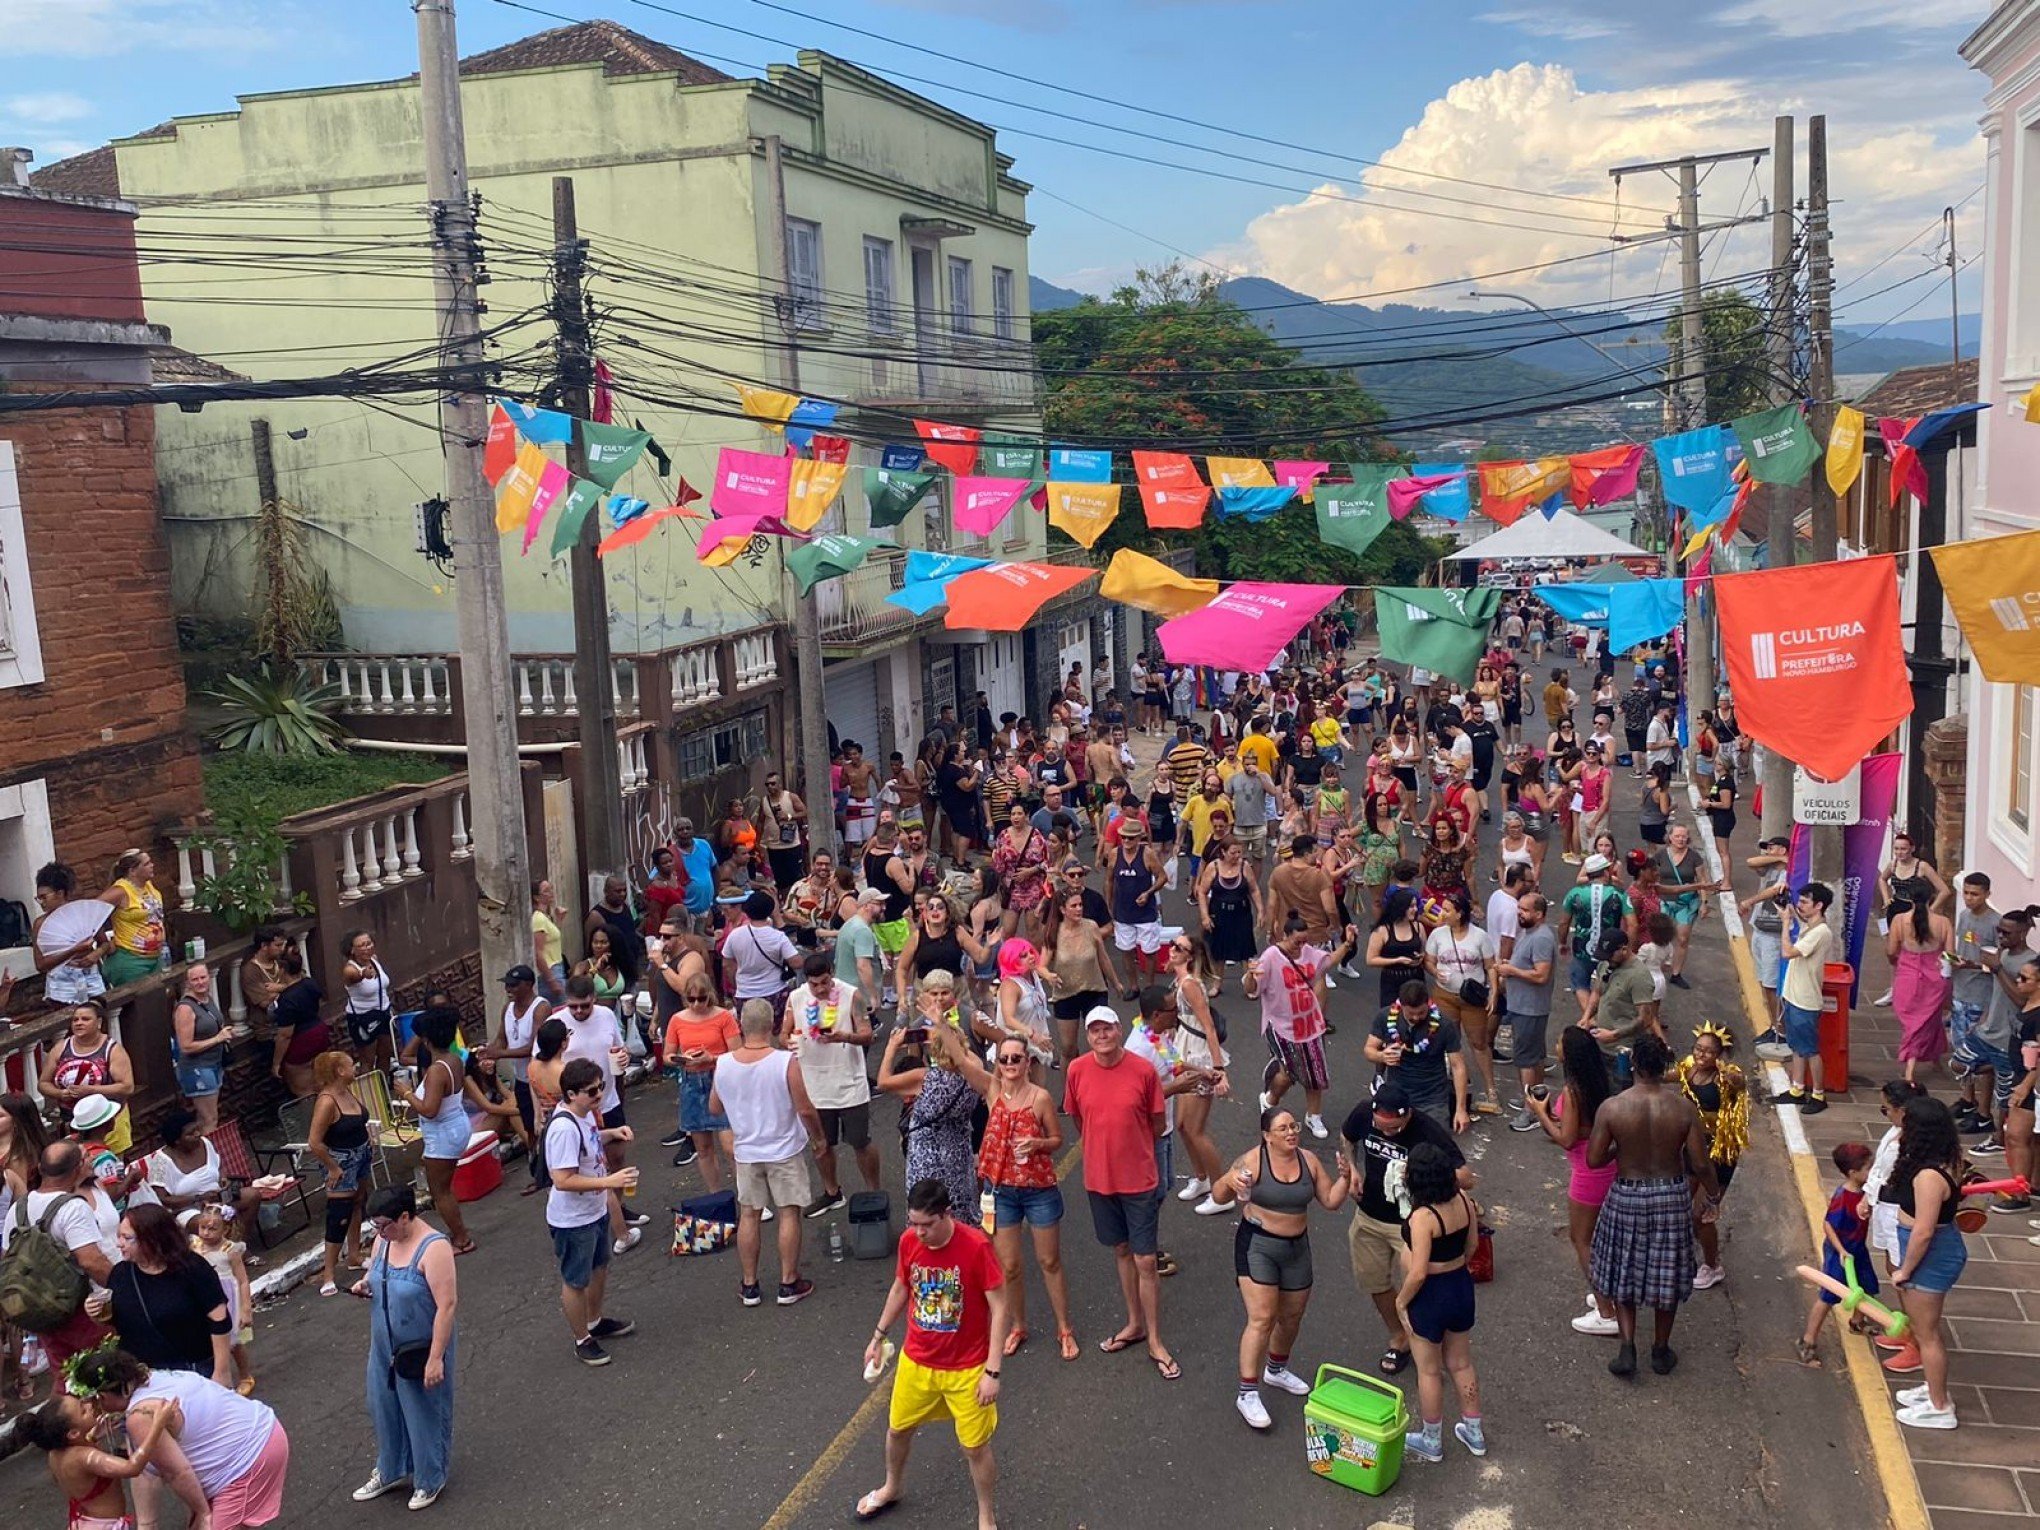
column 1862, row 849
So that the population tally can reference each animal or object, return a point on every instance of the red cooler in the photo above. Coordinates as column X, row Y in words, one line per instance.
column 1837, row 980
column 480, row 1170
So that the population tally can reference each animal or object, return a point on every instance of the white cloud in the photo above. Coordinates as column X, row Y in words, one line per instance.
column 102, row 28
column 1534, row 126
column 46, row 108
column 1795, row 18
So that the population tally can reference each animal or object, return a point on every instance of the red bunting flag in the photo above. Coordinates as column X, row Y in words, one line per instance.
column 831, row 448
column 1908, row 473
column 1815, row 660
column 1602, row 477
column 501, row 449
column 953, row 446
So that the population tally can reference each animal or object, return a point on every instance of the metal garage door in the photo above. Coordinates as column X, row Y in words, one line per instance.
column 852, row 693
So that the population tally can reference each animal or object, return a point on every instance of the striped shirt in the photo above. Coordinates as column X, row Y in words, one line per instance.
column 1187, row 763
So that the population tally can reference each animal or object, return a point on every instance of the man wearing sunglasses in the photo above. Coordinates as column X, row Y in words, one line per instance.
column 577, row 1209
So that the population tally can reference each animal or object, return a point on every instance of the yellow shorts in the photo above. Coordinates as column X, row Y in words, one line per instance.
column 920, row 1394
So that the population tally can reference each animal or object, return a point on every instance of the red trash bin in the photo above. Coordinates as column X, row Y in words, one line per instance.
column 1838, row 979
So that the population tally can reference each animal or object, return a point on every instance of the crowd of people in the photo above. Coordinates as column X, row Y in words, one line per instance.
column 1001, row 902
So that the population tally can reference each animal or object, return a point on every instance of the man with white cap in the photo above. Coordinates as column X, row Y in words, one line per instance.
column 1115, row 1101
column 1586, row 916
column 858, row 961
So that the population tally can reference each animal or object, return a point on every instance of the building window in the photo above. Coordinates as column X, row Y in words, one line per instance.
column 804, row 271
column 727, row 746
column 1002, row 302
column 959, row 295
column 26, row 845
column 20, row 641
column 2019, row 779
column 878, row 286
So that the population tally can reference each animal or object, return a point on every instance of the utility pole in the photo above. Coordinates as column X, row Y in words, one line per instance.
column 594, row 674
column 1690, row 373
column 813, row 709
column 1784, row 538
column 1827, row 842
column 495, row 791
column 1954, row 303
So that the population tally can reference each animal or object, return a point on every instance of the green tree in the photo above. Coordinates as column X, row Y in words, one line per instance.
column 1165, row 360
column 1738, row 370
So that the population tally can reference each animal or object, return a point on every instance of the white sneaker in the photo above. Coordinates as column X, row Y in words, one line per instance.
column 1927, row 1416
column 1330, row 981
column 1317, row 1127
column 1912, row 1397
column 1591, row 1322
column 1286, row 1380
column 1883, row 1000
column 425, row 1500
column 375, row 1487
column 1708, row 1276
column 1194, row 1189
column 767, row 1214
column 628, row 1241
column 1253, row 1410
column 1210, row 1208
column 1267, row 1100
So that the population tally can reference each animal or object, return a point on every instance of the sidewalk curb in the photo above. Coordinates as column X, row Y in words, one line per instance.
column 1905, row 1505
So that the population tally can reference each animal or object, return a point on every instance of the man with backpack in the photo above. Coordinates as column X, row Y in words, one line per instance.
column 62, row 1247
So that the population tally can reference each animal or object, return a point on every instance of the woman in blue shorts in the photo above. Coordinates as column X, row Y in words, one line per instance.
column 1925, row 1187
column 1682, row 879
column 1017, row 1165
column 1436, row 1301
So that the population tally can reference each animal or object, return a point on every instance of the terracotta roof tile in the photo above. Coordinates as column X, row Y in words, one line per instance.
column 93, row 173
column 172, row 364
column 616, row 48
column 1917, row 390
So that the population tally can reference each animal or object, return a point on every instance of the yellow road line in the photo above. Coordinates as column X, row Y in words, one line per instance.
column 805, row 1493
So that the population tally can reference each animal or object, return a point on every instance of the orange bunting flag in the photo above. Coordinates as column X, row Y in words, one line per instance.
column 953, row 446
column 1170, row 490
column 814, row 487
column 501, row 449
column 1507, row 489
column 1602, row 477
column 1005, row 597
column 1083, row 510
column 1239, row 473
column 638, row 527
column 519, row 483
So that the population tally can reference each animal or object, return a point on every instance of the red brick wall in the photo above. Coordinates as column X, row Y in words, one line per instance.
column 106, row 728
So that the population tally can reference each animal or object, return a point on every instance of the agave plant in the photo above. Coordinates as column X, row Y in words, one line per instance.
column 271, row 713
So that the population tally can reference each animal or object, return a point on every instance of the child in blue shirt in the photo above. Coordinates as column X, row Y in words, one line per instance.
column 1844, row 1235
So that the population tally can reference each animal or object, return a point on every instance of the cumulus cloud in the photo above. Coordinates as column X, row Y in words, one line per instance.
column 102, row 28
column 1535, row 126
column 45, row 108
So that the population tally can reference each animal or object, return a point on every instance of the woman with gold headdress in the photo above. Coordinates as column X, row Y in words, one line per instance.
column 1718, row 1091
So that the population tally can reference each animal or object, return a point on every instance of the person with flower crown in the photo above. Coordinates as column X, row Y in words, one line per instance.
column 1718, row 1091
column 1416, row 1046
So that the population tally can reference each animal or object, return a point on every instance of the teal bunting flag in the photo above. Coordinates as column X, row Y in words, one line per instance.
column 890, row 493
column 1777, row 445
column 828, row 557
column 1352, row 515
column 576, row 504
column 1444, row 631
column 610, row 450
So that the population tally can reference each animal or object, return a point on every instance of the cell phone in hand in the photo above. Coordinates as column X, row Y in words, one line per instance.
column 914, row 1036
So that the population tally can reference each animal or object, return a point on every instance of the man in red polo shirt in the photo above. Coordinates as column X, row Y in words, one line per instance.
column 1115, row 1100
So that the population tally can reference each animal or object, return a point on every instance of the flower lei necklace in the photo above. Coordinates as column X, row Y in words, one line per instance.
column 1421, row 1044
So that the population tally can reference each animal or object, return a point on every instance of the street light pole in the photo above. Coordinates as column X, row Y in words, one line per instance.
column 1510, row 297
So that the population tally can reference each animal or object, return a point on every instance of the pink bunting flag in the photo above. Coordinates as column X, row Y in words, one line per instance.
column 1908, row 473
column 1602, row 477
column 750, row 483
column 1246, row 626
column 552, row 483
column 1403, row 493
column 739, row 529
column 1300, row 476
column 981, row 503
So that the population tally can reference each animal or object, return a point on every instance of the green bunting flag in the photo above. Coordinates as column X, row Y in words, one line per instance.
column 1013, row 457
column 1777, row 445
column 891, row 493
column 1444, row 631
column 610, row 450
column 1352, row 515
column 581, row 497
column 828, row 557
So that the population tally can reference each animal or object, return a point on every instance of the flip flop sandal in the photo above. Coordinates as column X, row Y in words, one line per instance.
column 867, row 1510
column 1170, row 1370
column 1119, row 1342
column 1068, row 1342
column 464, row 1248
column 1808, row 1355
column 1014, row 1340
column 1395, row 1361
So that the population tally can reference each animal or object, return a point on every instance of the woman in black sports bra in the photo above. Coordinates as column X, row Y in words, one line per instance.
column 1436, row 1301
column 1396, row 948
column 1925, row 1188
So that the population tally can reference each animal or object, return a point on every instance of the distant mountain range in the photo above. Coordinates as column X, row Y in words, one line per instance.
column 1427, row 363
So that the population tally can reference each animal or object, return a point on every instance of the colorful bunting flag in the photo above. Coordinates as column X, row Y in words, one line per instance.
column 811, row 489
column 1238, row 473
column 1642, row 610
column 518, row 484
column 501, row 449
column 608, row 451
column 1083, row 510
column 602, row 406
column 979, row 504
column 1777, row 445
column 1252, row 503
column 1175, row 509
column 1933, row 423
column 750, row 483
column 1071, row 464
column 2029, row 405
column 809, row 415
column 924, row 584
column 831, row 449
column 829, row 557
column 1352, row 515
column 724, row 538
column 1452, row 500
column 1165, row 470
column 1011, row 457
column 575, row 509
column 634, row 530
column 1442, row 630
column 1908, row 473
column 1508, row 488
column 1602, row 477
column 1135, row 579
column 889, row 495
column 1246, row 626
column 624, row 508
column 895, row 458
column 1694, row 466
column 952, row 446
column 541, row 427
column 1301, row 476
column 553, row 481
column 1586, row 604
column 1993, row 590
column 1845, row 450
column 1005, row 597
column 1403, row 493
column 767, row 404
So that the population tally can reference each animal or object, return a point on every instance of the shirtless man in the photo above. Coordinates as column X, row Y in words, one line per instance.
column 910, row 869
column 1101, row 764
column 1643, row 1243
column 860, row 794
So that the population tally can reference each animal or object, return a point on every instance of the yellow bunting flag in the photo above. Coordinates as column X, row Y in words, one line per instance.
column 813, row 489
column 1238, row 473
column 1993, row 589
column 1083, row 510
column 518, row 485
column 1698, row 541
column 767, row 404
column 2029, row 405
column 1845, row 449
column 1135, row 579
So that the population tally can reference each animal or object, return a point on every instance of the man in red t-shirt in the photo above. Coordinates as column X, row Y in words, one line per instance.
column 1115, row 1099
column 949, row 1283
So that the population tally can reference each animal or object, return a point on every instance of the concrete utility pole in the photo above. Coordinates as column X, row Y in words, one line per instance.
column 1820, row 279
column 1784, row 538
column 1691, row 372
column 813, row 708
column 495, row 793
column 594, row 674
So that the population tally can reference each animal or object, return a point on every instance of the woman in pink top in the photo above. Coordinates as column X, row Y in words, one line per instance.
column 1569, row 1121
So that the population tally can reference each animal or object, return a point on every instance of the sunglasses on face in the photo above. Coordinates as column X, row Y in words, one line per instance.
column 1012, row 1059
column 580, row 1007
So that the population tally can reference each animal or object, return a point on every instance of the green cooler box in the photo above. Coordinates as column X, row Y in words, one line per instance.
column 1353, row 1429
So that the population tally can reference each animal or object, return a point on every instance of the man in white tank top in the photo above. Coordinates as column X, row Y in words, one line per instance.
column 774, row 1126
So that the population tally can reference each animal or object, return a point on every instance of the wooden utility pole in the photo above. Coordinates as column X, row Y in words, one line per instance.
column 594, row 673
column 813, row 708
column 1827, row 842
column 502, row 865
column 1784, row 536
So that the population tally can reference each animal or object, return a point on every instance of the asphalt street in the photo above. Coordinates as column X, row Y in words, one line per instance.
column 725, row 1416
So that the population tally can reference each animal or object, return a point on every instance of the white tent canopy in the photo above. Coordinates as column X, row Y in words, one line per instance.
column 1565, row 535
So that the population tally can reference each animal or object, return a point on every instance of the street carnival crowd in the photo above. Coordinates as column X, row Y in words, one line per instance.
column 1004, row 897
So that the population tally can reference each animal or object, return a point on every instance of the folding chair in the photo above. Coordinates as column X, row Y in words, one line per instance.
column 238, row 1160
column 399, row 1129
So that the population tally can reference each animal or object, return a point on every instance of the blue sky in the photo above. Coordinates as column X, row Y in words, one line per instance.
column 1541, row 97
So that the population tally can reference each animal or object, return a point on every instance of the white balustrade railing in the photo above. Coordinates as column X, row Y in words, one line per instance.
column 697, row 676
column 757, row 659
column 463, row 847
column 382, row 852
column 634, row 769
column 420, row 686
